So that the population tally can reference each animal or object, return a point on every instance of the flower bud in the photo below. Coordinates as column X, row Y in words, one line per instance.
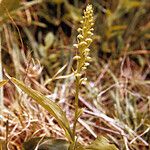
column 90, row 33
column 87, row 50
column 88, row 59
column 84, row 68
column 82, row 44
column 75, row 45
column 76, row 57
column 86, row 64
column 88, row 40
column 78, row 75
column 79, row 30
column 80, row 36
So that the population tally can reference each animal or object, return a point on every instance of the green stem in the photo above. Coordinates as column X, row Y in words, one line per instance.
column 76, row 106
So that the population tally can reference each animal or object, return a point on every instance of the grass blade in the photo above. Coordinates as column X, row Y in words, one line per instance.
column 1, row 92
column 3, row 82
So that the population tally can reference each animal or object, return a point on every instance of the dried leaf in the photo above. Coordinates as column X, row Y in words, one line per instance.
column 3, row 145
column 8, row 6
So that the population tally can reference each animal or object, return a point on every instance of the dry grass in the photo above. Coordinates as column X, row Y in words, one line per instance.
column 116, row 97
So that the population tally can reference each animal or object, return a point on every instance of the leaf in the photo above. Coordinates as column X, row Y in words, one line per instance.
column 8, row 6
column 49, row 105
column 46, row 143
column 3, row 82
column 101, row 143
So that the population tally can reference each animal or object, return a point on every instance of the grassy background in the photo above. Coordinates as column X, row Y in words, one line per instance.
column 37, row 48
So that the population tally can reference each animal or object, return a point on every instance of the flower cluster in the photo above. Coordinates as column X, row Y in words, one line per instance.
column 84, row 39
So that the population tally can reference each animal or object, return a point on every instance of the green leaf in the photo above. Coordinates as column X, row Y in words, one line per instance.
column 49, row 105
column 8, row 6
column 101, row 143
column 3, row 82
column 46, row 144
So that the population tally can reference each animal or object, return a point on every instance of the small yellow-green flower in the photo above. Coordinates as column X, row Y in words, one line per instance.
column 84, row 39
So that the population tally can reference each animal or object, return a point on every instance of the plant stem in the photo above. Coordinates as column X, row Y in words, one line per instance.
column 84, row 40
column 76, row 106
